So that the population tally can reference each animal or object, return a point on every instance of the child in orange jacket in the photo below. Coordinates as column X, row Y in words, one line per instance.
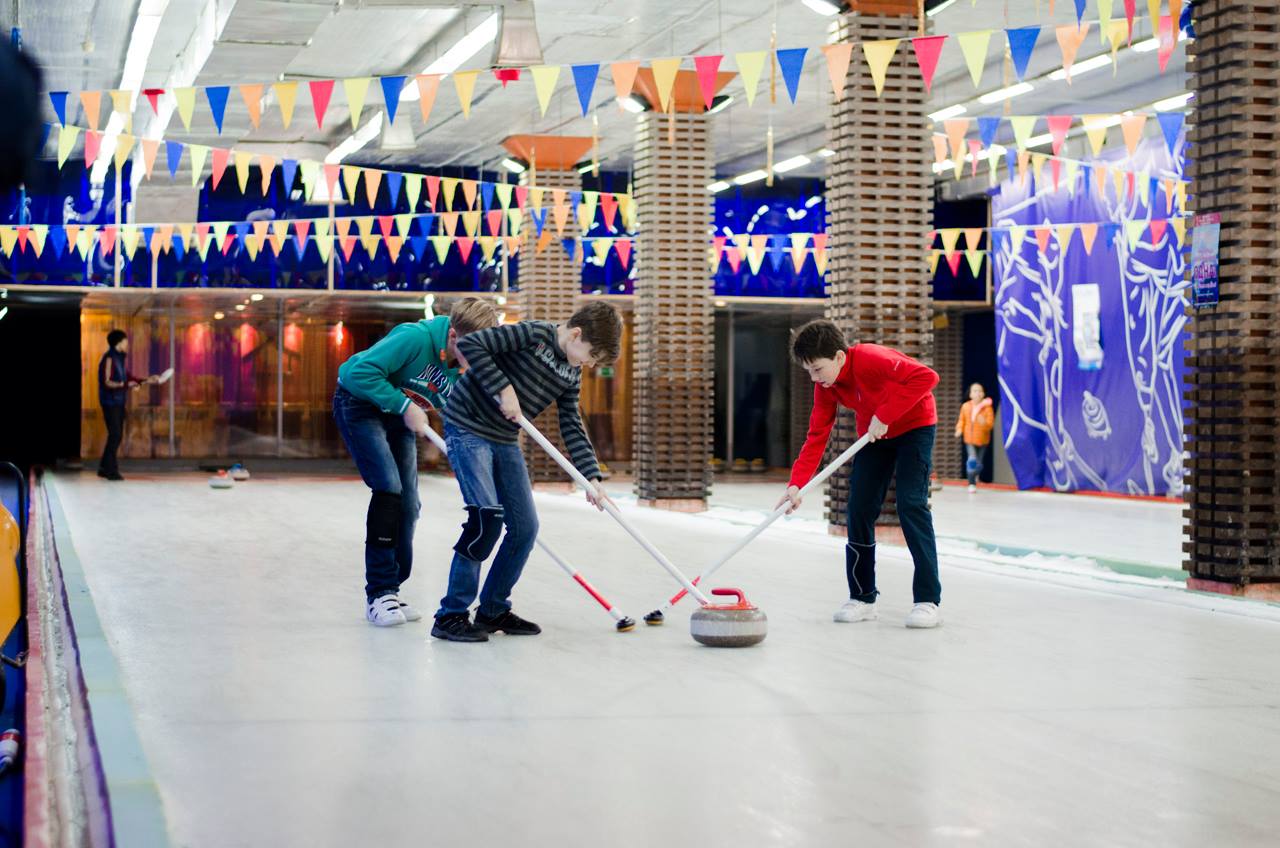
column 977, row 419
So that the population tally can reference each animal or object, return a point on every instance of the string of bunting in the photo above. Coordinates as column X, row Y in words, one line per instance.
column 1044, row 235
column 274, row 237
column 926, row 49
column 437, row 188
column 754, row 248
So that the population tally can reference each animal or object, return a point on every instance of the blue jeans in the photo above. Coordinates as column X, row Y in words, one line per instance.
column 909, row 457
column 386, row 454
column 974, row 454
column 490, row 474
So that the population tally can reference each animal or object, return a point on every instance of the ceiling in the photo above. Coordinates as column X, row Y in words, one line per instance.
column 210, row 42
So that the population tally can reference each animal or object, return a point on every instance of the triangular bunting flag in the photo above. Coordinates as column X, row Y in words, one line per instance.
column 433, row 191
column 1132, row 126
column 927, row 49
column 584, row 79
column 372, row 182
column 707, row 68
column 878, row 55
column 790, row 62
column 468, row 192
column 198, row 153
column 974, row 47
column 956, row 128
column 173, row 156
column 464, row 83
column 1023, row 125
column 391, row 88
column 150, row 147
column 838, row 57
column 321, row 92
column 287, row 96
column 428, row 85
column 217, row 97
column 92, row 144
column 974, row 258
column 394, row 180
column 622, row 247
column 1017, row 235
column 1022, row 41
column 544, row 83
column 1064, row 232
column 1042, row 237
column 1158, row 227
column 67, row 137
column 749, row 67
column 441, row 245
column 413, row 190
column 59, row 101
column 393, row 243
column 624, row 77
column 934, row 256
column 1059, row 125
column 356, row 89
column 953, row 262
column 1179, row 225
column 1164, row 49
column 1095, row 127
column 252, row 96
column 464, row 247
column 1133, row 231
column 1171, row 126
column 1069, row 40
column 1088, row 232
column 91, row 101
column 664, row 77
column 503, row 190
column 220, row 158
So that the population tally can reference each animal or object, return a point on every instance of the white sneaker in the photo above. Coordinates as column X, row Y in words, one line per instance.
column 385, row 611
column 410, row 613
column 851, row 611
column 924, row 615
column 972, row 488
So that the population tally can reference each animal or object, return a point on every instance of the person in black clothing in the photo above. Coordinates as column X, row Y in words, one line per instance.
column 114, row 385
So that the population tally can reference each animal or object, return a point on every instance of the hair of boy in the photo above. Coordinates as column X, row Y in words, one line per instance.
column 819, row 339
column 469, row 314
column 977, row 386
column 601, row 327
column 114, row 338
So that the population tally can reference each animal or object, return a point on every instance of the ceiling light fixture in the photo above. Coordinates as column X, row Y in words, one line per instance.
column 719, row 103
column 717, row 186
column 823, row 7
column 1091, row 64
column 512, row 165
column 791, row 164
column 256, row 296
column 949, row 112
column 356, row 140
column 1169, row 104
column 750, row 177
column 1003, row 94
column 453, row 58
column 634, row 104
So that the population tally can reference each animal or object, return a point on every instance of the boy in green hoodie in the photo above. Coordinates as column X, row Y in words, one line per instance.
column 379, row 407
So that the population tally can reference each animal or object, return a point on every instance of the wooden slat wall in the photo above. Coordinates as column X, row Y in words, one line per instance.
column 550, row 285
column 1232, row 517
column 948, row 361
column 878, row 205
column 674, row 337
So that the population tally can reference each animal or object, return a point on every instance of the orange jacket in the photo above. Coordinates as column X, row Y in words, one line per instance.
column 976, row 422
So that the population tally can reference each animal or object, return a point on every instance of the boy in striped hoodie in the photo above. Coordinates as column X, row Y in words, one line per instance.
column 516, row 369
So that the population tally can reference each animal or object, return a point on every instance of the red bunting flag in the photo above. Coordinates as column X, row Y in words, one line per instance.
column 927, row 49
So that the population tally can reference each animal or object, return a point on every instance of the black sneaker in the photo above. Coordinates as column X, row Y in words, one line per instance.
column 509, row 623
column 457, row 627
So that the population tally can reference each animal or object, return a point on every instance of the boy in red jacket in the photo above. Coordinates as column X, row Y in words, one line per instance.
column 892, row 398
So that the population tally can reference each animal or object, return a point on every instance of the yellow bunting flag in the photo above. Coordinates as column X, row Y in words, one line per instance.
column 9, row 239
column 129, row 238
column 1073, row 170
column 186, row 98
column 124, row 146
column 1022, row 128
column 242, row 169
column 413, row 190
column 122, row 105
column 1037, row 165
column 1131, row 126
column 1017, row 235
column 441, row 244
column 544, row 83
column 448, row 188
column 287, row 97
column 934, row 256
column 1182, row 197
column 1104, row 19
column 878, row 55
column 950, row 236
column 1118, row 177
column 974, row 47
column 974, row 258
column 198, row 153
column 799, row 249
column 464, row 82
column 664, row 77
column 1133, row 231
column 252, row 96
column 1064, row 231
column 838, row 56
column 350, row 178
column 66, row 143
column 749, row 66
column 1117, row 32
column 356, row 89
column 471, row 223
column 1179, row 225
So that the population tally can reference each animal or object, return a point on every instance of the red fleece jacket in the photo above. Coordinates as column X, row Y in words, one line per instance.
column 875, row 381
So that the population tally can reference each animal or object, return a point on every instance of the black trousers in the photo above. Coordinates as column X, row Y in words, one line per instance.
column 114, row 416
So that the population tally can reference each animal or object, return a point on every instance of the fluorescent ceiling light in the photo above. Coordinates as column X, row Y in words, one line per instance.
column 826, row 153
column 256, row 296
column 1099, row 61
column 720, row 103
column 1169, row 104
column 632, row 104
column 750, row 177
column 145, row 27
column 1003, row 94
column 588, row 167
column 1146, row 46
column 944, row 165
column 936, row 9
column 512, row 165
column 717, row 186
column 791, row 164
column 356, row 140
column 1038, row 140
column 949, row 112
column 459, row 54
column 823, row 7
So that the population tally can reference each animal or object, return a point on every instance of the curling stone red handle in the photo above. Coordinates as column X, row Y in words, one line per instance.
column 742, row 599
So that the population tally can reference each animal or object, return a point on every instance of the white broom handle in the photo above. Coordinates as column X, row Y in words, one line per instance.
column 582, row 481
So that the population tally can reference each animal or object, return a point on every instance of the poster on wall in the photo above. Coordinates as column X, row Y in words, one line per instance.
column 1086, row 325
column 1204, row 260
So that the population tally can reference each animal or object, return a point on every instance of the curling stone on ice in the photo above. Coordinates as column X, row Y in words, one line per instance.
column 238, row 472
column 733, row 625
column 221, row 480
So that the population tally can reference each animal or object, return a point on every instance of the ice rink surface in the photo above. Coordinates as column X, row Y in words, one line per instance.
column 1054, row 707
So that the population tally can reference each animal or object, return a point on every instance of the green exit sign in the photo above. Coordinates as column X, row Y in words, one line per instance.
column 605, row 371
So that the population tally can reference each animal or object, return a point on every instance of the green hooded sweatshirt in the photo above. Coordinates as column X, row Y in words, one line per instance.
column 410, row 364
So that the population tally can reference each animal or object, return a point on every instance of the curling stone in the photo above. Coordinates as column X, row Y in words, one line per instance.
column 238, row 472
column 734, row 625
column 221, row 480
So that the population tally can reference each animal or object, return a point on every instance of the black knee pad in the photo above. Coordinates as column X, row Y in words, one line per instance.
column 382, row 525
column 480, row 533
